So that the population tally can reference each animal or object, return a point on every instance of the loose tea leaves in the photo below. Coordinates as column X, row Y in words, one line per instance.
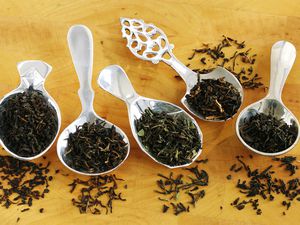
column 214, row 99
column 28, row 123
column 22, row 182
column 94, row 148
column 240, row 63
column 170, row 139
column 287, row 162
column 267, row 134
column 262, row 185
column 175, row 188
column 97, row 194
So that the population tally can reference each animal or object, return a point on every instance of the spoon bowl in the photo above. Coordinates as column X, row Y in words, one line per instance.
column 80, row 42
column 82, row 119
column 148, row 42
column 114, row 80
column 282, row 58
column 33, row 73
column 192, row 79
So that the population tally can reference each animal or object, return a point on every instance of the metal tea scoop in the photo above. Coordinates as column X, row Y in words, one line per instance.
column 150, row 43
column 80, row 42
column 283, row 55
column 114, row 80
column 33, row 73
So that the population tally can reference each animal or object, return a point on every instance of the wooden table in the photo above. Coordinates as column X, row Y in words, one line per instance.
column 37, row 30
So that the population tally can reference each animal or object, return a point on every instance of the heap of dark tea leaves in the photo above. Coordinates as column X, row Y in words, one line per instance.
column 170, row 139
column 264, row 185
column 94, row 148
column 22, row 182
column 28, row 123
column 174, row 188
column 230, row 54
column 97, row 194
column 267, row 134
column 214, row 99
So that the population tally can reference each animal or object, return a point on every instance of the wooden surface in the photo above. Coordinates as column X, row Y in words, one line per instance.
column 38, row 29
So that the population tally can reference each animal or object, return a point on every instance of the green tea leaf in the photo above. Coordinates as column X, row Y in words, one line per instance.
column 141, row 133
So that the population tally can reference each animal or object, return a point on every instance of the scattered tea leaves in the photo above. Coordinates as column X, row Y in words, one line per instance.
column 204, row 161
column 22, row 182
column 97, row 194
column 241, row 63
column 262, row 185
column 173, row 188
column 287, row 162
column 165, row 208
column 229, row 177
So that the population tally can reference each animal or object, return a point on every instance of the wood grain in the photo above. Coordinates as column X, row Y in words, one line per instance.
column 37, row 30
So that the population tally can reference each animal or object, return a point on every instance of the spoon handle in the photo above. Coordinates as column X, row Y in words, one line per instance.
column 114, row 80
column 283, row 55
column 80, row 42
column 33, row 73
column 179, row 67
column 148, row 42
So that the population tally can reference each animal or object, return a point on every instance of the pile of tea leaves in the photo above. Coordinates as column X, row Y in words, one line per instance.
column 268, row 134
column 97, row 194
column 266, row 185
column 22, row 182
column 95, row 148
column 175, row 188
column 28, row 122
column 230, row 54
column 172, row 139
column 214, row 99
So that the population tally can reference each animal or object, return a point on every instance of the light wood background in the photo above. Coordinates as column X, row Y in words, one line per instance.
column 37, row 29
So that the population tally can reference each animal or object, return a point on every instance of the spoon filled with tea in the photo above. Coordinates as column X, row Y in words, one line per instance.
column 90, row 145
column 164, row 131
column 30, row 119
column 268, row 127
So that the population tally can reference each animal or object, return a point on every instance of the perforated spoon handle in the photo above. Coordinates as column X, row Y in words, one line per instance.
column 283, row 55
column 148, row 42
column 80, row 42
column 114, row 80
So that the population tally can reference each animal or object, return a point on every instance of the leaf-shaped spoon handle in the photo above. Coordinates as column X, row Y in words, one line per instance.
column 148, row 42
column 33, row 73
column 80, row 42
column 283, row 56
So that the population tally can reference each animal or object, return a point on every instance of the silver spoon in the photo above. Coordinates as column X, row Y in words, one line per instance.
column 33, row 73
column 114, row 80
column 150, row 43
column 80, row 42
column 283, row 55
